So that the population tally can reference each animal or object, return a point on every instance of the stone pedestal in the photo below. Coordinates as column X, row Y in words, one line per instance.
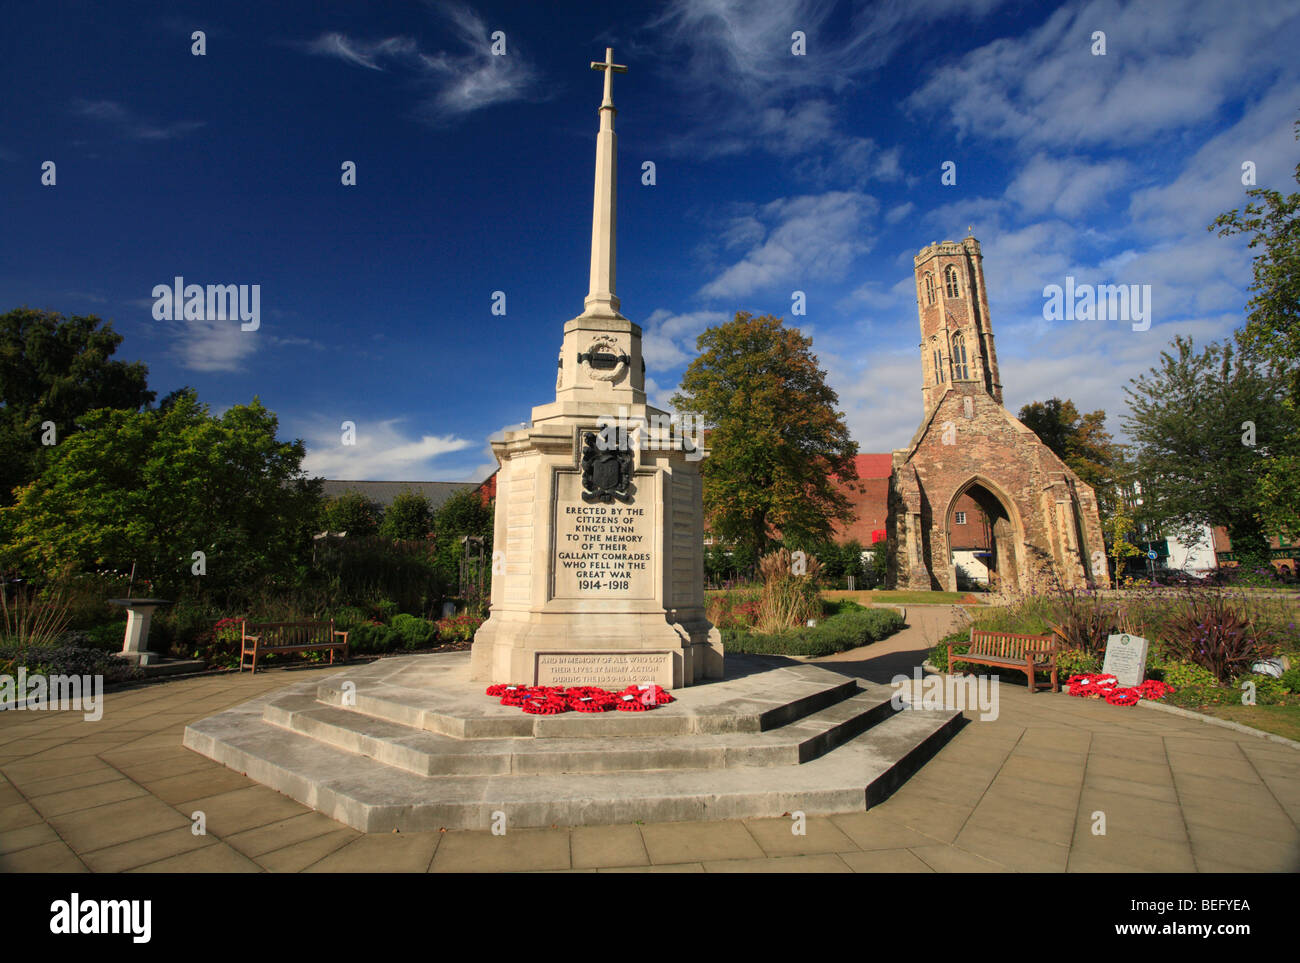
column 139, row 613
column 591, row 591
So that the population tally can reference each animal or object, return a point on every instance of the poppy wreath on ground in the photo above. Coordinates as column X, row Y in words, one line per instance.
column 551, row 700
column 1099, row 686
column 649, row 695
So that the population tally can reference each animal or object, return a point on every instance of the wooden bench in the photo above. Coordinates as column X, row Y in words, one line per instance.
column 1024, row 653
column 258, row 638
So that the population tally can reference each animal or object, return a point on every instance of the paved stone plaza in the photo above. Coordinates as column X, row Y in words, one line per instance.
column 1015, row 794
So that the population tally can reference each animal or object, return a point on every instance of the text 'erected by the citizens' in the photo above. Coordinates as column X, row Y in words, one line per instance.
column 603, row 550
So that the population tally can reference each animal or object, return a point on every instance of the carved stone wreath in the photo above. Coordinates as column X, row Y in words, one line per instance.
column 604, row 344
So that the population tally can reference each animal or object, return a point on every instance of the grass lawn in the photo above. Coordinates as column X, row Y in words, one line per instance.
column 1280, row 720
column 885, row 596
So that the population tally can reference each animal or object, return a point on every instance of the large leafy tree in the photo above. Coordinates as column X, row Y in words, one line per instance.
column 1206, row 425
column 154, row 487
column 1079, row 440
column 351, row 512
column 776, row 441
column 410, row 516
column 55, row 369
column 1272, row 220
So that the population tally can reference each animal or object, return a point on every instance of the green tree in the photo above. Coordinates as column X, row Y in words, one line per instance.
column 463, row 514
column 410, row 516
column 1117, row 529
column 776, row 442
column 1272, row 220
column 1205, row 425
column 56, row 369
column 351, row 512
column 1081, row 441
column 155, row 487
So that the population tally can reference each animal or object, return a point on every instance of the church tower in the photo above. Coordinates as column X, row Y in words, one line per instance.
column 956, row 337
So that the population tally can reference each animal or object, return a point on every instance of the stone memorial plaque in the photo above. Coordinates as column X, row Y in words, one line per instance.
column 609, row 670
column 1126, row 659
column 602, row 550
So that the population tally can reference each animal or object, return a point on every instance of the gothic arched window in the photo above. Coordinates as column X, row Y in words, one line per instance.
column 959, row 370
column 929, row 289
column 937, row 355
column 950, row 282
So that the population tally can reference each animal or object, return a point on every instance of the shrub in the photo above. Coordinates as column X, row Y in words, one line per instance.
column 938, row 656
column 458, row 628
column 415, row 633
column 1210, row 631
column 65, row 660
column 1183, row 675
column 733, row 610
column 1077, row 662
column 374, row 637
column 1082, row 621
column 1291, row 680
column 848, row 630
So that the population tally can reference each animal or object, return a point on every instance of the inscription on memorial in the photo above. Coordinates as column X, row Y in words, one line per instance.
column 1126, row 659
column 601, row 550
column 609, row 670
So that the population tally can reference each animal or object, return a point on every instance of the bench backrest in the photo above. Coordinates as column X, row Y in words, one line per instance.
column 291, row 633
column 1006, row 645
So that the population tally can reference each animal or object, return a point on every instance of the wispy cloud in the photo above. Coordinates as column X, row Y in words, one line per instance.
column 129, row 124
column 744, row 88
column 795, row 240
column 454, row 82
column 1158, row 75
column 383, row 450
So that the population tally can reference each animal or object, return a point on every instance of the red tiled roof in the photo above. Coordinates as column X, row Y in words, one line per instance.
column 874, row 465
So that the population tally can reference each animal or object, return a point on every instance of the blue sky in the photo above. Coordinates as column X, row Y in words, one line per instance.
column 775, row 173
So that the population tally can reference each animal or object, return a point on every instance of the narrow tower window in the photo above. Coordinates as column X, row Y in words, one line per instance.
column 959, row 370
column 929, row 289
column 950, row 281
column 938, row 365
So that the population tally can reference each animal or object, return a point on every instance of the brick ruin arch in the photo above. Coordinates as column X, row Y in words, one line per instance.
column 1005, row 530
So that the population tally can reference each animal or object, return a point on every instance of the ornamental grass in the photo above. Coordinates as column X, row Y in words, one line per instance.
column 791, row 595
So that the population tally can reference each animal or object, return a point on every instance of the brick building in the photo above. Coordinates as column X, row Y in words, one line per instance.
column 976, row 492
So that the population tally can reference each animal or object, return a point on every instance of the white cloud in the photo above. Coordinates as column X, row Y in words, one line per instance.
column 668, row 340
column 1068, row 187
column 1168, row 66
column 457, row 83
column 1209, row 184
column 808, row 238
column 128, row 123
column 212, row 345
column 744, row 90
column 382, row 451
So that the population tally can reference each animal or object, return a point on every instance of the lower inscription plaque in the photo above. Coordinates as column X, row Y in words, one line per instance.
column 609, row 670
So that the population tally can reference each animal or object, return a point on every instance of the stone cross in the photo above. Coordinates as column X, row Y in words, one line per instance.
column 610, row 69
column 601, row 299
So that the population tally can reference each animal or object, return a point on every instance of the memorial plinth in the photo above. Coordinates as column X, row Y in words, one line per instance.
column 598, row 573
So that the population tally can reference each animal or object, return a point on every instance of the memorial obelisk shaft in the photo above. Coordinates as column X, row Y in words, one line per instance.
column 601, row 298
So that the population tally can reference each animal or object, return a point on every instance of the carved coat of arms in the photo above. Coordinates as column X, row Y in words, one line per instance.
column 606, row 472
